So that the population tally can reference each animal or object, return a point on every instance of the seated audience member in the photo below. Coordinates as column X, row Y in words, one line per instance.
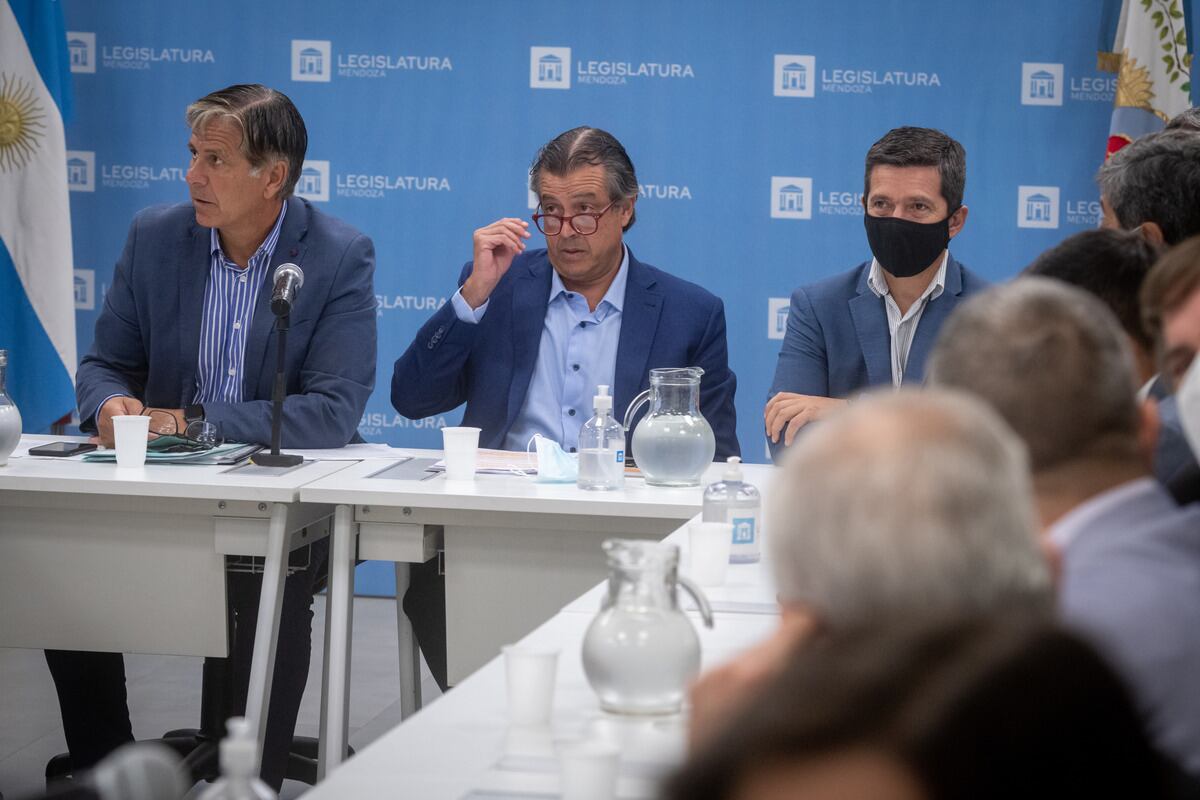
column 1052, row 361
column 1112, row 264
column 1151, row 186
column 1171, row 311
column 902, row 504
column 873, row 325
column 987, row 709
column 1185, row 120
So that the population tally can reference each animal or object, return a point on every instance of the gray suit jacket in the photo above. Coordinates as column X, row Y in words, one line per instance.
column 1131, row 583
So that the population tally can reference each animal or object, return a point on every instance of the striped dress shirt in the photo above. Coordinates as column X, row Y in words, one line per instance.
column 225, row 323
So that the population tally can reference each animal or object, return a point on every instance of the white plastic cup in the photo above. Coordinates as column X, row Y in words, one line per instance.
column 588, row 769
column 461, row 448
column 709, row 545
column 131, row 432
column 530, row 674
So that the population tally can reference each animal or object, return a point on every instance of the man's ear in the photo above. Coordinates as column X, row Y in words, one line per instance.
column 1152, row 233
column 276, row 177
column 1148, row 430
column 957, row 220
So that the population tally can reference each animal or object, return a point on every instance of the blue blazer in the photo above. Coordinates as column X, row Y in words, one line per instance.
column 666, row 322
column 148, row 335
column 838, row 342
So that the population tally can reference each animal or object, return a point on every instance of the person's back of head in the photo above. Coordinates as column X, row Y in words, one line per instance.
column 1109, row 264
column 1153, row 183
column 991, row 707
column 906, row 502
column 1052, row 360
column 1171, row 285
column 1185, row 120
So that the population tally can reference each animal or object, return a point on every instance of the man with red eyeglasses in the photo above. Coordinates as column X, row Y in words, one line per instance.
column 530, row 334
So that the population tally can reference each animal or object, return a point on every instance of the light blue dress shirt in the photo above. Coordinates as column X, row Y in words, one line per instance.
column 577, row 353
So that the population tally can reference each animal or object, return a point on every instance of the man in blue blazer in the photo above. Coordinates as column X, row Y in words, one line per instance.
column 874, row 325
column 187, row 333
column 530, row 335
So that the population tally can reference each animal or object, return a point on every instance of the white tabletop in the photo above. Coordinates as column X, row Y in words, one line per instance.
column 461, row 743
column 513, row 494
column 181, row 481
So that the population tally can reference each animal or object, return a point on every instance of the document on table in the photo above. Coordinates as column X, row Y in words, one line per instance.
column 173, row 450
column 499, row 462
column 363, row 451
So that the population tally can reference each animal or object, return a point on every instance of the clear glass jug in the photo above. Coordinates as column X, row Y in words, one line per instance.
column 641, row 651
column 10, row 417
column 673, row 444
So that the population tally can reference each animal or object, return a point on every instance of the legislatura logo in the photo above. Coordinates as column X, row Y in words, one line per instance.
column 1041, row 84
column 81, row 170
column 81, row 48
column 791, row 198
column 314, row 181
column 550, row 68
column 777, row 316
column 1037, row 206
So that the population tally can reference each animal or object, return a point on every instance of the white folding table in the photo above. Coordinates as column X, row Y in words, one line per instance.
column 515, row 551
column 95, row 557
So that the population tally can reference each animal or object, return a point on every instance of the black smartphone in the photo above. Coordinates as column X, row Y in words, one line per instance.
column 62, row 449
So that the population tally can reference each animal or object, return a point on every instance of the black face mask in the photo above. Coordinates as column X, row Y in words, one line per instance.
column 904, row 248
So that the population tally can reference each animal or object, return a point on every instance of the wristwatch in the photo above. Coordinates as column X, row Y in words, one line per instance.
column 193, row 413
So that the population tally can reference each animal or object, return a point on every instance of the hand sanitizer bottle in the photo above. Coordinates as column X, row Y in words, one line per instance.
column 602, row 447
column 239, row 767
column 735, row 501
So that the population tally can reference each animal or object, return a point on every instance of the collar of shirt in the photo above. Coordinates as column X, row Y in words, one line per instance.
column 266, row 248
column 614, row 297
column 1084, row 515
column 878, row 283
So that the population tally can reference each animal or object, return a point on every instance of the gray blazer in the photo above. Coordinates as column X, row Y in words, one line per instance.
column 1131, row 583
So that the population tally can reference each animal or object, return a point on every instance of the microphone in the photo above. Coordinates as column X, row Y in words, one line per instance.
column 141, row 771
column 288, row 280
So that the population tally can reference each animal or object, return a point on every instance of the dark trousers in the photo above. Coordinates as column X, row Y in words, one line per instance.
column 425, row 607
column 91, row 686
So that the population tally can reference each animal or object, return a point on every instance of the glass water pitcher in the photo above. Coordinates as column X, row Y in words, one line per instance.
column 641, row 651
column 10, row 417
column 673, row 444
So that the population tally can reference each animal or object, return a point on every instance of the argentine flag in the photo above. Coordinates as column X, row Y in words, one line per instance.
column 37, row 299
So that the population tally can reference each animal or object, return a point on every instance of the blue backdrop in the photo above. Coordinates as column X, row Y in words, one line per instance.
column 747, row 122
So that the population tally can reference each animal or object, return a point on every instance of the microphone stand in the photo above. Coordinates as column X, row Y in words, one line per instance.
column 276, row 458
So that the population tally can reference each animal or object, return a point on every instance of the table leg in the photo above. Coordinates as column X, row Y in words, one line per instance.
column 410, row 654
column 335, row 727
column 266, row 632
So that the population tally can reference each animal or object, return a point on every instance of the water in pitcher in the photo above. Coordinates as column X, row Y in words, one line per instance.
column 639, row 662
column 674, row 449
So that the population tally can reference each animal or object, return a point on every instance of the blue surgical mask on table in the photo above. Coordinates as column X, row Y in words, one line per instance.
column 554, row 464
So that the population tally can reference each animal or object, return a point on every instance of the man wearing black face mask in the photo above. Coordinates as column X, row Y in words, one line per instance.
column 876, row 323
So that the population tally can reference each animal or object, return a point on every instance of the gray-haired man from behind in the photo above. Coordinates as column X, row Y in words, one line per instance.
column 1053, row 361
column 901, row 505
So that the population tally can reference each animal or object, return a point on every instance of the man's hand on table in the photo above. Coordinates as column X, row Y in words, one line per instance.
column 787, row 413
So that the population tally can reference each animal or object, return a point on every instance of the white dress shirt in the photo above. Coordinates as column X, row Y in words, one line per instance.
column 903, row 327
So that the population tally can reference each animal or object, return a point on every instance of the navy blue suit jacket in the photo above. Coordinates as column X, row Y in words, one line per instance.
column 665, row 322
column 148, row 335
column 838, row 341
